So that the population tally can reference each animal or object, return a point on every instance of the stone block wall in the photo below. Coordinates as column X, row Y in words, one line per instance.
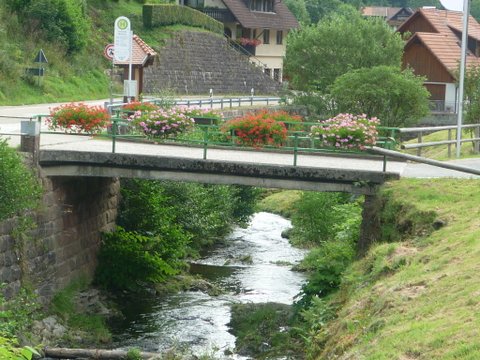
column 195, row 62
column 66, row 238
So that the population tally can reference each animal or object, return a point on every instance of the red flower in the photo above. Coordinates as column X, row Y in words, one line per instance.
column 78, row 118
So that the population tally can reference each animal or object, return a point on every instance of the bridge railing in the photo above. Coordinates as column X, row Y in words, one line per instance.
column 207, row 133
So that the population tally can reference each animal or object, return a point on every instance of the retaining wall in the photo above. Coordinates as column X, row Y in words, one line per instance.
column 65, row 242
column 195, row 62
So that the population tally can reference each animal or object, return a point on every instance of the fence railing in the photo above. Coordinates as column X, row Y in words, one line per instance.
column 207, row 134
column 451, row 131
column 443, row 106
column 210, row 102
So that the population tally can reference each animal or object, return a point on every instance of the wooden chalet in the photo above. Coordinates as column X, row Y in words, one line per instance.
column 434, row 50
column 259, row 26
column 394, row 16
column 142, row 56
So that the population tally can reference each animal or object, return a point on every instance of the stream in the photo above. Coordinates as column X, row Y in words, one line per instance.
column 253, row 266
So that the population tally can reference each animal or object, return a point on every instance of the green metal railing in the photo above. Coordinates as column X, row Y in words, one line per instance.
column 209, row 135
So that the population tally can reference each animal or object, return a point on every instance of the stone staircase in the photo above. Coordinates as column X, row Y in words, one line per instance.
column 195, row 62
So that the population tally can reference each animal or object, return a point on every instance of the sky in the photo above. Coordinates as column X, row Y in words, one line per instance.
column 456, row 5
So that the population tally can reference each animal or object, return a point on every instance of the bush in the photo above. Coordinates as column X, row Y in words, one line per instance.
column 9, row 350
column 328, row 263
column 162, row 223
column 316, row 216
column 78, row 118
column 168, row 14
column 19, row 188
column 128, row 259
column 347, row 131
column 62, row 21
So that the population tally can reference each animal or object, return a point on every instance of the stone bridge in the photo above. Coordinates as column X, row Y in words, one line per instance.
column 99, row 164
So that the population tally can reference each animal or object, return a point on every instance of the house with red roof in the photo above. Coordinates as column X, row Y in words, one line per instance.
column 433, row 50
column 394, row 16
column 259, row 26
column 142, row 56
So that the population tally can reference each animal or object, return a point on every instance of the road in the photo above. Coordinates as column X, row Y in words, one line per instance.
column 10, row 125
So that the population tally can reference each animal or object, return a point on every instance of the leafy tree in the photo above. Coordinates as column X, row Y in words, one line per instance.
column 318, row 9
column 475, row 9
column 317, row 54
column 298, row 8
column 17, row 6
column 397, row 98
column 128, row 259
column 312, row 225
column 63, row 21
column 19, row 189
column 472, row 95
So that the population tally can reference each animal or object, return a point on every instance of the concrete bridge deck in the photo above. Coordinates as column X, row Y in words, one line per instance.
column 84, row 156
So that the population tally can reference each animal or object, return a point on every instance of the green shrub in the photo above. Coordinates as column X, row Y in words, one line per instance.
column 316, row 216
column 257, row 328
column 169, row 14
column 19, row 189
column 62, row 21
column 128, row 259
column 327, row 264
column 163, row 222
column 204, row 212
column 17, row 314
column 9, row 350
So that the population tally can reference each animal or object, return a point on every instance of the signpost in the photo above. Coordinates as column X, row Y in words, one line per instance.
column 122, row 40
column 123, row 50
column 40, row 70
column 109, row 51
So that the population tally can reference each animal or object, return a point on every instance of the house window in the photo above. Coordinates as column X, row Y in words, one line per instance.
column 268, row 72
column 261, row 5
column 279, row 37
column 198, row 4
column 276, row 74
column 266, row 36
column 254, row 34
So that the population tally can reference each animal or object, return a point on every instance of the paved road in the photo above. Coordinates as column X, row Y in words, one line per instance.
column 85, row 143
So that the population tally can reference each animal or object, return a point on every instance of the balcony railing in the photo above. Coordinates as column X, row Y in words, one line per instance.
column 442, row 106
column 222, row 15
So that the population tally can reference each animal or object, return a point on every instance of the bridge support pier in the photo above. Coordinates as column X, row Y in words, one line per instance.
column 370, row 227
column 30, row 139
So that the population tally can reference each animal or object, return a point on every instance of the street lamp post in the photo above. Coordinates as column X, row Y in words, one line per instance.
column 466, row 11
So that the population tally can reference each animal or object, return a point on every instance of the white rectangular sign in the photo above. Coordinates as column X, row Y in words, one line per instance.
column 130, row 88
column 122, row 39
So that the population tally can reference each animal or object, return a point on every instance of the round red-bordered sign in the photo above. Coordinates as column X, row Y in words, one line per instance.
column 108, row 51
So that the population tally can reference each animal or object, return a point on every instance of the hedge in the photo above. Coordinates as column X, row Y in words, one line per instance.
column 168, row 14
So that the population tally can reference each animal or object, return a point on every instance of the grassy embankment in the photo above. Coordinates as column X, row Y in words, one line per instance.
column 417, row 295
column 418, row 298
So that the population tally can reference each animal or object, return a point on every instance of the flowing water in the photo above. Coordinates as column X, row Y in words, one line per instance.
column 253, row 267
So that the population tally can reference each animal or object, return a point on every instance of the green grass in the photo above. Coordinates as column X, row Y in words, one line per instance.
column 280, row 202
column 418, row 299
column 92, row 326
column 440, row 152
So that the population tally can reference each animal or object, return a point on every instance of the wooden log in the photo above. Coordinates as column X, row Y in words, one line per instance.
column 65, row 353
